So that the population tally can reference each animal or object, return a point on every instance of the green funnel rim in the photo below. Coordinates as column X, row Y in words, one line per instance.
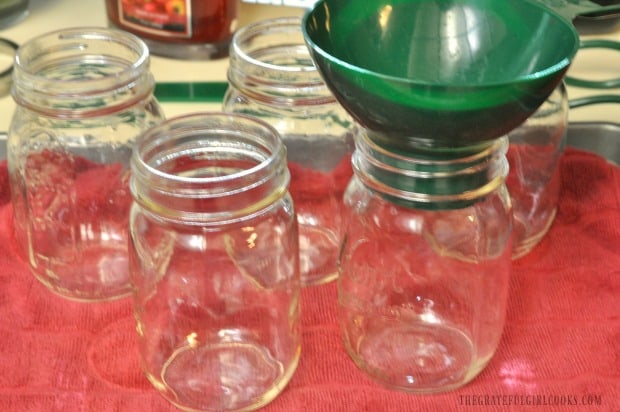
column 557, row 67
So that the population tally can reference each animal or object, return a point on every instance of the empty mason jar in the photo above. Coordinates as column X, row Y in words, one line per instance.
column 214, row 262
column 272, row 77
column 83, row 96
column 534, row 178
column 424, row 266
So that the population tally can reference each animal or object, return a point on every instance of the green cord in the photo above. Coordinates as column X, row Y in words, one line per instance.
column 599, row 99
column 188, row 92
column 594, row 84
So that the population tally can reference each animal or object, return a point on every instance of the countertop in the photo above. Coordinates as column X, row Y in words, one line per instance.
column 48, row 15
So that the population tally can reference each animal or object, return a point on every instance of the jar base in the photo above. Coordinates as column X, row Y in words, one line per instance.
column 231, row 376
column 84, row 297
column 100, row 277
column 417, row 357
column 524, row 245
column 318, row 253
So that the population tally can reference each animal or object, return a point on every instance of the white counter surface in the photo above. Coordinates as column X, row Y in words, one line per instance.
column 48, row 15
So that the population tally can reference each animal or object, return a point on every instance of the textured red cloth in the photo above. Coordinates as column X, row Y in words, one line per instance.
column 560, row 349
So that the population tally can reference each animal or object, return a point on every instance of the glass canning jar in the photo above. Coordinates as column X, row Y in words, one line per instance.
column 424, row 265
column 214, row 262
column 83, row 96
column 272, row 77
column 534, row 177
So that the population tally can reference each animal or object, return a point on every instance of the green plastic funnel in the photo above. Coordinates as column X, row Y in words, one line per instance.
column 441, row 73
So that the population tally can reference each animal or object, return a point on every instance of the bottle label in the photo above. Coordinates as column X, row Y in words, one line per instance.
column 168, row 18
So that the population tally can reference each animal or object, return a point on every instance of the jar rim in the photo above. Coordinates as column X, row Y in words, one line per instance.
column 270, row 26
column 220, row 167
column 270, row 63
column 196, row 123
column 63, row 45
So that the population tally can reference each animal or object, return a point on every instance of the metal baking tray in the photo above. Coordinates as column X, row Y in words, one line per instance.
column 596, row 137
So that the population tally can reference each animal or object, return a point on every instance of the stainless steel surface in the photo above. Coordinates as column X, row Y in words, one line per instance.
column 592, row 26
column 600, row 138
column 2, row 145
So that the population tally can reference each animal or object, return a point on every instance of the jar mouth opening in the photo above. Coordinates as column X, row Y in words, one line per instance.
column 259, row 39
column 270, row 62
column 209, row 167
column 207, row 136
column 51, row 62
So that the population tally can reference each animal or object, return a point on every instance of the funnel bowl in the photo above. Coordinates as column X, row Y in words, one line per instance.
column 439, row 73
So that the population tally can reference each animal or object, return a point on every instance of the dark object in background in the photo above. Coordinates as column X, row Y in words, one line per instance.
column 598, row 24
column 606, row 2
column 12, row 12
column 7, row 50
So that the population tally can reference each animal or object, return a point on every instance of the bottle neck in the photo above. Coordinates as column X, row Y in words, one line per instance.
column 81, row 73
column 209, row 168
column 426, row 179
column 270, row 63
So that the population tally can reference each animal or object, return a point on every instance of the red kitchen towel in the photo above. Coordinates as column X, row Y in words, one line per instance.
column 560, row 349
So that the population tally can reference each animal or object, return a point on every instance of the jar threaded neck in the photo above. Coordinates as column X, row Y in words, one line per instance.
column 439, row 180
column 82, row 72
column 209, row 168
column 269, row 62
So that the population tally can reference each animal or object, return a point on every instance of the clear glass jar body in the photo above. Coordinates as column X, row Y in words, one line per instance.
column 534, row 177
column 214, row 261
column 83, row 96
column 272, row 77
column 424, row 266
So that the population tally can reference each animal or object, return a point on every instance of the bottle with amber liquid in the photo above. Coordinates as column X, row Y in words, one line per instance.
column 182, row 29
